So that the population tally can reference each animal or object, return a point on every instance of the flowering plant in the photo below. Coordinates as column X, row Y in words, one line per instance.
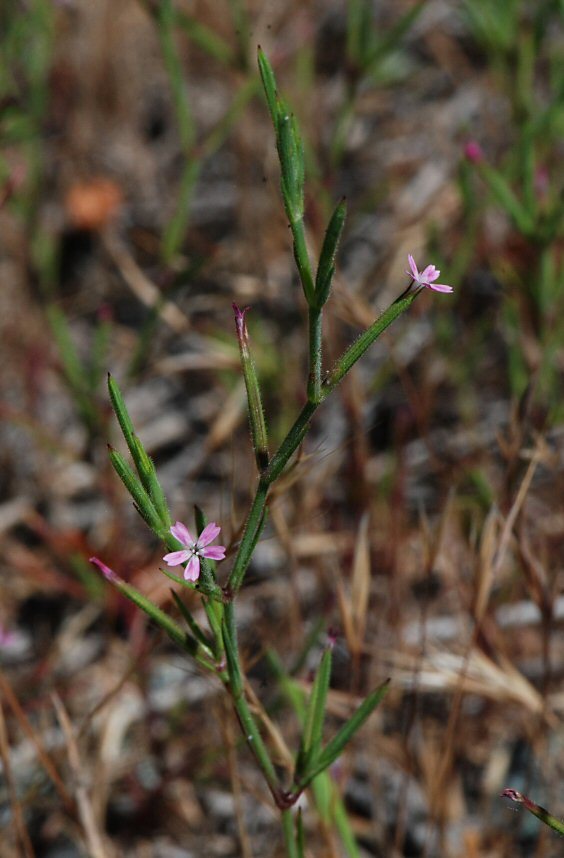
column 216, row 648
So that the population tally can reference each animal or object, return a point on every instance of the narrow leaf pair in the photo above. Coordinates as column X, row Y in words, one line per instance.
column 312, row 758
column 145, row 488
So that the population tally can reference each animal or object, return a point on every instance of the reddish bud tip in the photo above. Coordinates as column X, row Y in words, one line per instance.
column 108, row 573
column 240, row 320
column 512, row 794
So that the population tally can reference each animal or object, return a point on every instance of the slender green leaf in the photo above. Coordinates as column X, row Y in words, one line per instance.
column 290, row 151
column 143, row 502
column 158, row 616
column 148, row 474
column 122, row 414
column 202, row 650
column 326, row 267
column 254, row 399
column 270, row 90
column 192, row 624
column 364, row 341
column 315, row 715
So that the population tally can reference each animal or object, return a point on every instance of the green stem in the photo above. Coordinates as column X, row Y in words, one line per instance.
column 251, row 532
column 289, row 830
column 246, row 720
column 315, row 318
column 295, row 436
column 291, row 442
column 214, row 613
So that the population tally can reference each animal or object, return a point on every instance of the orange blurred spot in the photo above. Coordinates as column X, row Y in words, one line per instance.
column 92, row 203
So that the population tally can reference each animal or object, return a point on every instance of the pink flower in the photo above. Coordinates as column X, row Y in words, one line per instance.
column 193, row 550
column 427, row 277
column 473, row 152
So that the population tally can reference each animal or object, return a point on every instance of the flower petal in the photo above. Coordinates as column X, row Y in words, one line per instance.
column 181, row 532
column 440, row 287
column 176, row 558
column 413, row 266
column 216, row 552
column 192, row 571
column 208, row 534
column 429, row 274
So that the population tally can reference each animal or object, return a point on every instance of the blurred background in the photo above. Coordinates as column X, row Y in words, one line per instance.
column 424, row 519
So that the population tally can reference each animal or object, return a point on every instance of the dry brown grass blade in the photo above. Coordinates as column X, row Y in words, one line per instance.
column 486, row 566
column 21, row 835
column 345, row 610
column 94, row 840
column 360, row 583
column 353, row 600
column 228, row 418
column 470, row 673
column 516, row 507
column 143, row 289
column 44, row 757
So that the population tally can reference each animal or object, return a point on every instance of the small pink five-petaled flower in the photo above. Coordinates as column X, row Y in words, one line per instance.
column 194, row 549
column 426, row 277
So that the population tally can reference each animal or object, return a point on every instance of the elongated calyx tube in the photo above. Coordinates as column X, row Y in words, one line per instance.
column 254, row 401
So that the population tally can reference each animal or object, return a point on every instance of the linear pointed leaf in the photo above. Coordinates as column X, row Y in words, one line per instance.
column 192, row 624
column 147, row 472
column 326, row 267
column 270, row 89
column 122, row 414
column 142, row 500
column 315, row 715
column 166, row 623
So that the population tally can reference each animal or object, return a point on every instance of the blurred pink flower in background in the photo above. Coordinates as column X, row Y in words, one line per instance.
column 473, row 152
column 6, row 638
